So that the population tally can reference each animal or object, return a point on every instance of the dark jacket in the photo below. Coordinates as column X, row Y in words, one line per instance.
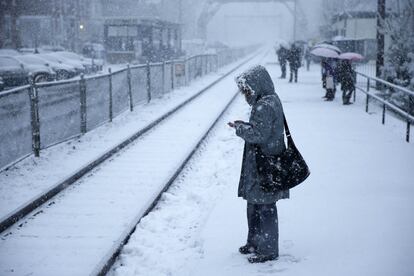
column 346, row 76
column 295, row 57
column 265, row 129
column 282, row 54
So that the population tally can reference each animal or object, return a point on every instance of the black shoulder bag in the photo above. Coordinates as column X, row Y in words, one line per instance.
column 283, row 171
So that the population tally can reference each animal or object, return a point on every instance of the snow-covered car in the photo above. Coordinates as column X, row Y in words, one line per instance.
column 62, row 71
column 91, row 65
column 94, row 50
column 15, row 72
column 9, row 52
column 52, row 57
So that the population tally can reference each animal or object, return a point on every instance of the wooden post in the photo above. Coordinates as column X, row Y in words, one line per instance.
column 148, row 82
column 110, row 95
column 380, row 38
column 83, row 114
column 172, row 75
column 163, row 76
column 131, row 101
column 34, row 115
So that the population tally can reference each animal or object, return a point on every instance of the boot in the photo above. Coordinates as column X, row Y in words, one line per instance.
column 258, row 258
column 247, row 249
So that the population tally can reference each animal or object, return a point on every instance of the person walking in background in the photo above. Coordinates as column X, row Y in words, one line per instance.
column 265, row 129
column 346, row 76
column 282, row 55
column 295, row 62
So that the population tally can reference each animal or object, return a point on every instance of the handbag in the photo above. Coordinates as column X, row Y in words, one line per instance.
column 283, row 171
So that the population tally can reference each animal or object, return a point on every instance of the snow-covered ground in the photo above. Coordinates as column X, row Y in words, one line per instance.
column 353, row 216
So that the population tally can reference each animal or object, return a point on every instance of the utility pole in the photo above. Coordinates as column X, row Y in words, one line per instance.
column 295, row 14
column 180, row 21
column 15, row 32
column 380, row 37
column 3, row 30
column 180, row 11
column 77, row 25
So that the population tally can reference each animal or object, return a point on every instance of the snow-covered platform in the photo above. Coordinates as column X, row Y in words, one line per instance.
column 353, row 216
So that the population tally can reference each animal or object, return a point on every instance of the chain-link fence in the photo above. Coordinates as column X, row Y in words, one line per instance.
column 38, row 116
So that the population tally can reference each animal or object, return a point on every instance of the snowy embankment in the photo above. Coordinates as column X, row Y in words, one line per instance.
column 33, row 176
column 353, row 216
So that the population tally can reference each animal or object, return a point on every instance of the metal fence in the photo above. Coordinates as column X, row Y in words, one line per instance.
column 37, row 116
column 368, row 68
column 367, row 88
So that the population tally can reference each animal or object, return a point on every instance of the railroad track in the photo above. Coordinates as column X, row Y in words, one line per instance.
column 28, row 207
column 76, row 201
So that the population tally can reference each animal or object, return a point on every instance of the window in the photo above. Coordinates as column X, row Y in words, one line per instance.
column 121, row 38
column 117, row 31
column 156, row 38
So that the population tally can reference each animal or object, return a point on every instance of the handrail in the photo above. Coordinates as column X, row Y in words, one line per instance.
column 389, row 105
column 403, row 89
column 385, row 104
column 13, row 90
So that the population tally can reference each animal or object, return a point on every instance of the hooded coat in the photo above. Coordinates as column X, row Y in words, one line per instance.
column 264, row 129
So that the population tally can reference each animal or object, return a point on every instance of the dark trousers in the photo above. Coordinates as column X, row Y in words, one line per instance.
column 263, row 228
column 283, row 68
column 293, row 74
column 346, row 95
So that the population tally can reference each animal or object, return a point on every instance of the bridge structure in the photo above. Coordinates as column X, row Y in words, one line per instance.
column 211, row 7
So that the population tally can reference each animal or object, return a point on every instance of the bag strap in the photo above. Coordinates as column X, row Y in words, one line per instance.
column 288, row 134
column 289, row 138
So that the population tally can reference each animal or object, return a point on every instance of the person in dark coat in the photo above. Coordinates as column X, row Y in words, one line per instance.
column 329, row 78
column 282, row 55
column 295, row 61
column 346, row 76
column 265, row 129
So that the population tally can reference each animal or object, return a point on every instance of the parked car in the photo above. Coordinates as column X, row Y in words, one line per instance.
column 9, row 52
column 15, row 73
column 62, row 71
column 52, row 57
column 94, row 50
column 91, row 65
column 41, row 50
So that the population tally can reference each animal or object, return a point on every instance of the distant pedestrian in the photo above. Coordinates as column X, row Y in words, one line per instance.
column 264, row 130
column 308, row 58
column 346, row 75
column 329, row 78
column 295, row 62
column 282, row 55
